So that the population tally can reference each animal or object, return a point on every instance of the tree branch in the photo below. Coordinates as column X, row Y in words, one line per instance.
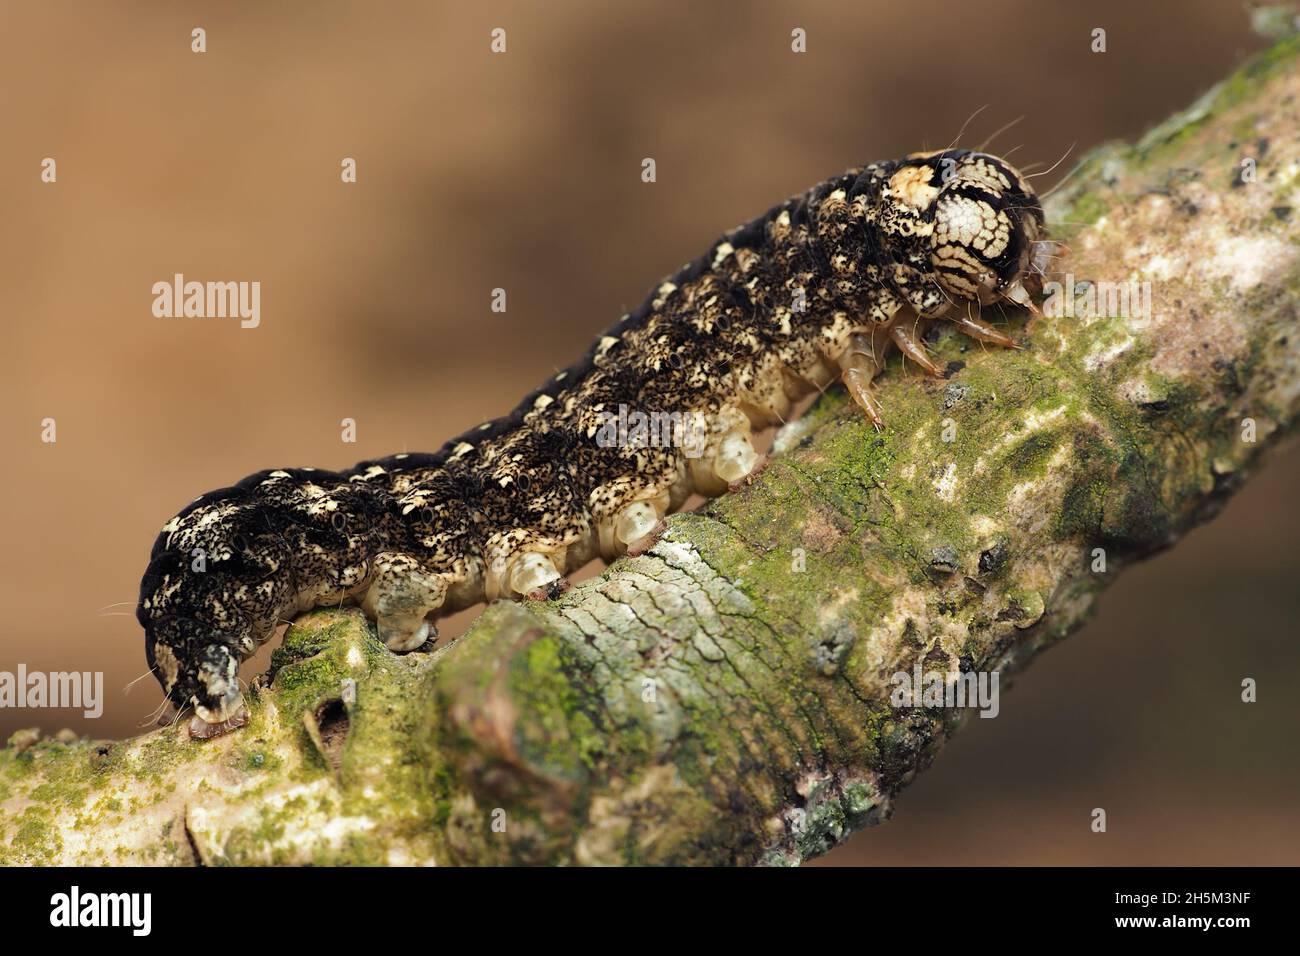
column 726, row 697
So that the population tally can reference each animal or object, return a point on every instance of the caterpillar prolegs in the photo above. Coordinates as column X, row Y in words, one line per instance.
column 820, row 287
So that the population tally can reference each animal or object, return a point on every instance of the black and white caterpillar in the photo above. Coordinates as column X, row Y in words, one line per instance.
column 818, row 288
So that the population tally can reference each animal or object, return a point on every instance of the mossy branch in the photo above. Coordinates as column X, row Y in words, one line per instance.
column 726, row 697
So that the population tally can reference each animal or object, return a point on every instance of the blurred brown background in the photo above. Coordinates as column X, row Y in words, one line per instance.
column 522, row 171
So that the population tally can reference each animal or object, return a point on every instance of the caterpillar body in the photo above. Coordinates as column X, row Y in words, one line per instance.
column 818, row 288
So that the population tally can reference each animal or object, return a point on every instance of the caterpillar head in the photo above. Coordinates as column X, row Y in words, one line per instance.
column 986, row 226
column 198, row 671
column 986, row 241
column 229, row 569
column 212, row 592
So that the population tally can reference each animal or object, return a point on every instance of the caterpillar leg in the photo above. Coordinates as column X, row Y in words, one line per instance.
column 201, row 729
column 535, row 575
column 400, row 598
column 736, row 459
column 528, row 571
column 861, row 362
column 647, row 541
column 977, row 329
column 634, row 525
column 1018, row 294
column 633, row 522
column 910, row 345
column 728, row 457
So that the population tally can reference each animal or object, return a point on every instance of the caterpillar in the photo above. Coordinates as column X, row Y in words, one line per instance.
column 820, row 287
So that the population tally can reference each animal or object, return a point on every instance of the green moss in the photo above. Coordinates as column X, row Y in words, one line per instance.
column 257, row 759
column 34, row 841
column 1082, row 508
column 1028, row 458
column 1085, row 210
column 556, row 730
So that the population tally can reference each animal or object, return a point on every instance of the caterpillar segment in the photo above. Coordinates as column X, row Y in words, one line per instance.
column 665, row 404
column 727, row 456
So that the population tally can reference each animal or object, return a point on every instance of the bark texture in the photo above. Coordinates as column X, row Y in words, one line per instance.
column 725, row 698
